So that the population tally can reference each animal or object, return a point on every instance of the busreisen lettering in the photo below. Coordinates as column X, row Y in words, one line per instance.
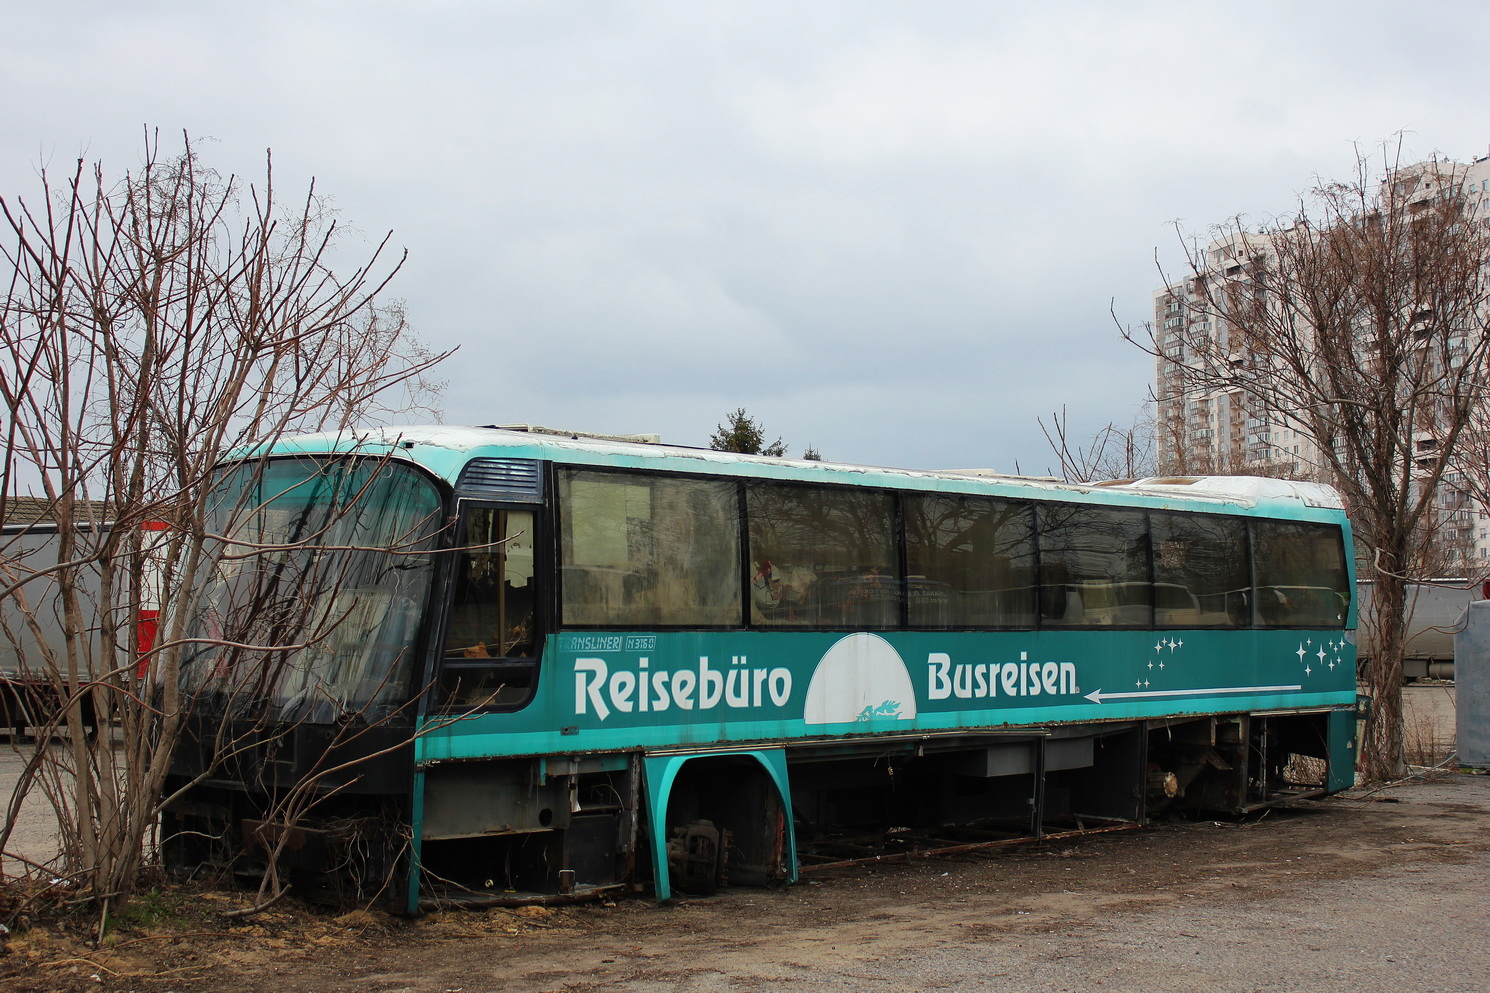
column 983, row 680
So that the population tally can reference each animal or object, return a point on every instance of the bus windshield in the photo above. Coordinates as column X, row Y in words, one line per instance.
column 319, row 573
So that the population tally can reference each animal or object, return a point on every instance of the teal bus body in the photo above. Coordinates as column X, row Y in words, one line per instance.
column 1095, row 676
column 624, row 709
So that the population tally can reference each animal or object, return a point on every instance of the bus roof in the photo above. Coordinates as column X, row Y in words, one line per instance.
column 445, row 450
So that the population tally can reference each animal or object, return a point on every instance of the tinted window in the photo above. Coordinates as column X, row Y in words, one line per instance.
column 1201, row 576
column 493, row 617
column 822, row 556
column 970, row 562
column 1094, row 567
column 1301, row 575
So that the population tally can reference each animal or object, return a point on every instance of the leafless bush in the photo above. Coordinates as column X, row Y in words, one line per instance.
column 149, row 326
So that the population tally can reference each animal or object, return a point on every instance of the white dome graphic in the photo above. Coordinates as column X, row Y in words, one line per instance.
column 861, row 678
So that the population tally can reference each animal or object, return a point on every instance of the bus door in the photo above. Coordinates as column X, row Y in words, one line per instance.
column 489, row 654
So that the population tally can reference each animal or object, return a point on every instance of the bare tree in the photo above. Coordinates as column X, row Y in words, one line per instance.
column 1361, row 323
column 1111, row 453
column 1467, row 487
column 151, row 326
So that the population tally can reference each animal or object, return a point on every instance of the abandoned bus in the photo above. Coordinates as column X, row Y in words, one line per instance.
column 559, row 667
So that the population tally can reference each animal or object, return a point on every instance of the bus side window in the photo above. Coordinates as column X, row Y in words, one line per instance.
column 823, row 556
column 971, row 561
column 1201, row 577
column 1094, row 566
column 641, row 550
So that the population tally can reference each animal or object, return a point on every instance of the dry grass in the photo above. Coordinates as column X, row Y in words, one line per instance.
column 1428, row 724
column 1305, row 770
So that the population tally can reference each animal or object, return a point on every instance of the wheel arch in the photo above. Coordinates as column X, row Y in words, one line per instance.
column 661, row 773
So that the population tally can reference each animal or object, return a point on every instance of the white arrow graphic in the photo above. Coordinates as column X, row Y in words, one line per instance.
column 1097, row 696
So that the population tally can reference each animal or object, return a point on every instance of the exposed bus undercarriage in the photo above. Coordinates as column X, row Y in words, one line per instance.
column 569, row 827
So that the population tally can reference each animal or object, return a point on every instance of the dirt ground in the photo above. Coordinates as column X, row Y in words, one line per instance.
column 1369, row 891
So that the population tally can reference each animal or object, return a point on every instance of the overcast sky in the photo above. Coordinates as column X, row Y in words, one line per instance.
column 889, row 230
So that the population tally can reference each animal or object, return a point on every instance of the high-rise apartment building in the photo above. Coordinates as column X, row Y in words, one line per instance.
column 1202, row 428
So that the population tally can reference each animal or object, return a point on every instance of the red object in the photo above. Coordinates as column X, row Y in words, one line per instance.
column 148, row 623
column 146, row 629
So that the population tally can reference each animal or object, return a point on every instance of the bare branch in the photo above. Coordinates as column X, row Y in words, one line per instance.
column 1347, row 343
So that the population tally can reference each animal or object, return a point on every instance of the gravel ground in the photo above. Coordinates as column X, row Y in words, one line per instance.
column 1371, row 891
column 1369, row 895
column 1384, row 892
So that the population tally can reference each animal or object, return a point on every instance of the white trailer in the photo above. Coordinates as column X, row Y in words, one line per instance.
column 1435, row 612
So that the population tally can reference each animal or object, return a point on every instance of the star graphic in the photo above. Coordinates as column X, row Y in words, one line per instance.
column 1323, row 655
column 1302, row 652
